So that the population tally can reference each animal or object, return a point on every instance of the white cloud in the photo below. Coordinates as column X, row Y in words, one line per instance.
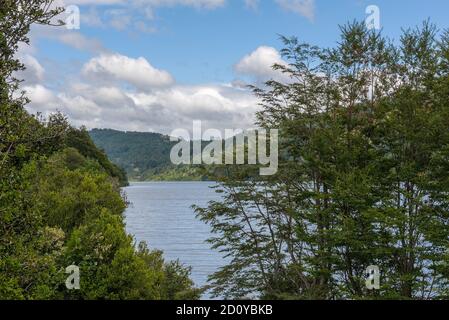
column 259, row 64
column 92, row 18
column 26, row 48
column 41, row 96
column 252, row 4
column 120, row 14
column 143, row 27
column 77, row 107
column 305, row 8
column 70, row 38
column 159, row 105
column 216, row 106
column 137, row 15
column 34, row 71
column 104, row 93
column 92, row 2
column 118, row 18
column 207, row 4
column 162, row 110
column 80, row 42
column 137, row 72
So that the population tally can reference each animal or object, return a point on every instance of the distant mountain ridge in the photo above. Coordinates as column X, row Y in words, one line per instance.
column 143, row 155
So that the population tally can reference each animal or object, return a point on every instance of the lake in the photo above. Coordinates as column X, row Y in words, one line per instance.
column 160, row 213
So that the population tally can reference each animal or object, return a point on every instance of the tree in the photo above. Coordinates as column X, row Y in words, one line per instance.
column 17, row 127
column 80, row 140
column 363, row 144
column 60, row 198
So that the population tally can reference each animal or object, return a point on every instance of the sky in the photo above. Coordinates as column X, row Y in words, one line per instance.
column 158, row 65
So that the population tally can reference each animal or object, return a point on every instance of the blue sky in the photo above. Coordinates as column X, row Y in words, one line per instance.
column 196, row 48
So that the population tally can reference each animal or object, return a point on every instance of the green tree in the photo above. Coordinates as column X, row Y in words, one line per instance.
column 60, row 198
column 17, row 128
column 81, row 140
column 361, row 179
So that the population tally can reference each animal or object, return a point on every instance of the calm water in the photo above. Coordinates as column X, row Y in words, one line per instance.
column 160, row 214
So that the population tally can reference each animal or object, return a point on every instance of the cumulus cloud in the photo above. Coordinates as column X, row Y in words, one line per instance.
column 119, row 19
column 125, row 93
column 208, row 4
column 71, row 38
column 159, row 104
column 80, row 42
column 89, row 2
column 42, row 96
column 137, row 72
column 92, row 18
column 119, row 13
column 259, row 64
column 34, row 72
column 116, row 91
column 252, row 4
column 123, row 14
column 305, row 8
column 211, row 4
column 162, row 110
column 217, row 106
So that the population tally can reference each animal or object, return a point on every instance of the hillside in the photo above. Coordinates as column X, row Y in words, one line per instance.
column 144, row 156
column 80, row 140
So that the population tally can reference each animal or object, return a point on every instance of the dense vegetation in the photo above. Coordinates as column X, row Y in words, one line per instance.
column 145, row 156
column 363, row 177
column 60, row 200
column 363, row 180
column 136, row 152
column 81, row 140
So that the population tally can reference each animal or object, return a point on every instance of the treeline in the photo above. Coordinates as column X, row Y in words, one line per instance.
column 60, row 200
column 363, row 176
column 81, row 140
column 135, row 152
column 145, row 156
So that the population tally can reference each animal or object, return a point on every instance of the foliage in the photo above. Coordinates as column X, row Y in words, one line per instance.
column 362, row 178
column 134, row 151
column 145, row 156
column 177, row 173
column 75, row 217
column 80, row 140
column 60, row 199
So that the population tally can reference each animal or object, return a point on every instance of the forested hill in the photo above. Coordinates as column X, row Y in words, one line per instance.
column 80, row 140
column 134, row 151
column 143, row 155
